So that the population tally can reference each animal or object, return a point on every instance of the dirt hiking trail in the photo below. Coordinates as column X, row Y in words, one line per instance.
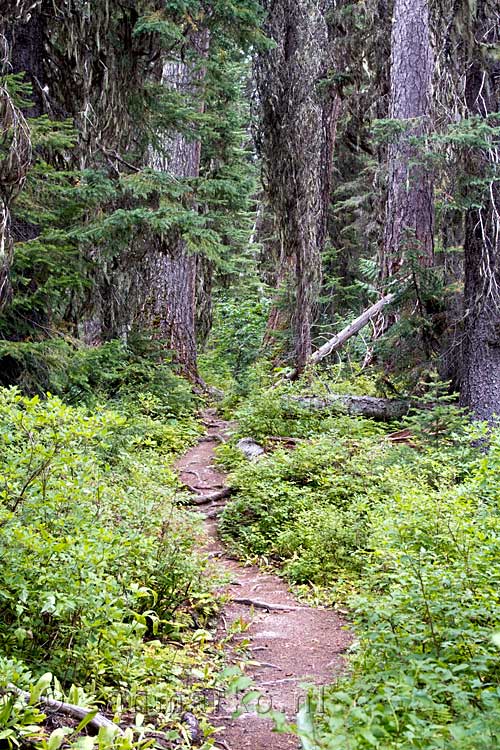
column 293, row 644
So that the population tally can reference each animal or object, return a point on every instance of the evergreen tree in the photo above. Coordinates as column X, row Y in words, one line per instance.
column 410, row 210
column 299, row 113
column 118, row 197
column 481, row 352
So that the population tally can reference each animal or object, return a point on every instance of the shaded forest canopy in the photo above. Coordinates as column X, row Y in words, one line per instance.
column 318, row 155
column 290, row 208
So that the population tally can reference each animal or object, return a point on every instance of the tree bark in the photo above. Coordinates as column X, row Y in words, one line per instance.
column 409, row 224
column 298, row 119
column 380, row 409
column 15, row 159
column 171, row 306
column 480, row 381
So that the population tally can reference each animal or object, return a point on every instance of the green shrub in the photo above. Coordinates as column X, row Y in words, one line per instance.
column 427, row 673
column 308, row 508
column 136, row 375
column 100, row 578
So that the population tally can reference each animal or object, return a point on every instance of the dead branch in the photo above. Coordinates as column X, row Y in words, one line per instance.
column 351, row 330
column 266, row 605
column 68, row 709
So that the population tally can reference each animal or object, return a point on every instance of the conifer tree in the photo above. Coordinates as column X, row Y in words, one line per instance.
column 409, row 224
column 297, row 129
column 480, row 388
column 123, row 192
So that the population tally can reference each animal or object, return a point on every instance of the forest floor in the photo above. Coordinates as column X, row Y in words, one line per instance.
column 290, row 644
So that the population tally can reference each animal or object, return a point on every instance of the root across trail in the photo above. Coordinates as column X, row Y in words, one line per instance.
column 291, row 645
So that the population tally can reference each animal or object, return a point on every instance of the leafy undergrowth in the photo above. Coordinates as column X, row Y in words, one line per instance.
column 101, row 585
column 414, row 530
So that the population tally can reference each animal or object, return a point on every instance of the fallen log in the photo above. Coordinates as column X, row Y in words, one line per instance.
column 68, row 709
column 381, row 409
column 350, row 330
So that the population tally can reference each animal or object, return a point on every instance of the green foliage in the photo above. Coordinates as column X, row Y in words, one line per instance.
column 66, row 217
column 308, row 508
column 101, row 583
column 135, row 375
column 276, row 409
column 235, row 342
column 438, row 420
column 414, row 530
column 426, row 674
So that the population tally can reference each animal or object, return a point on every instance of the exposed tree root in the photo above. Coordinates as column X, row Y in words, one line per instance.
column 211, row 496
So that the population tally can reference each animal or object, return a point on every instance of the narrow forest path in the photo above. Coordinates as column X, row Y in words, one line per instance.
column 293, row 644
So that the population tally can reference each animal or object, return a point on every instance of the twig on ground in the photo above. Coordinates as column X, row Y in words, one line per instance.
column 267, row 605
column 279, row 682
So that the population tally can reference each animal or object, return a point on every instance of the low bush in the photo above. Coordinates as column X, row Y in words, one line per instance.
column 136, row 376
column 414, row 529
column 426, row 674
column 101, row 584
column 310, row 509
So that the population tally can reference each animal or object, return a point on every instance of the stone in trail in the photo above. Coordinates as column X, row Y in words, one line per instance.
column 293, row 644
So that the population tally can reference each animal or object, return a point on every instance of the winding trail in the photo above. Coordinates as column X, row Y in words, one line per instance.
column 291, row 644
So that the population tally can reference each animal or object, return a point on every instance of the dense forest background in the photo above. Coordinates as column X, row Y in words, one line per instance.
column 311, row 157
column 290, row 208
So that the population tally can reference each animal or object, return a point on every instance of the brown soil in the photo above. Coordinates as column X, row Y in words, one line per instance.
column 293, row 647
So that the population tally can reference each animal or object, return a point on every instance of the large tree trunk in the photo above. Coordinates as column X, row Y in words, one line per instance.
column 15, row 151
column 298, row 120
column 171, row 308
column 480, row 387
column 409, row 222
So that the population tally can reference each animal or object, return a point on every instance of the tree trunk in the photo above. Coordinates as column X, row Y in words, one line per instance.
column 170, row 308
column 15, row 159
column 409, row 222
column 480, row 382
column 298, row 121
column 171, row 305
